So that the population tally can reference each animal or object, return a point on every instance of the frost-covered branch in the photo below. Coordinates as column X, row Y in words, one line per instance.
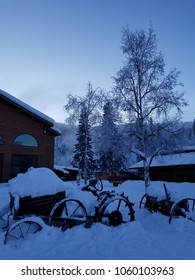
column 152, row 99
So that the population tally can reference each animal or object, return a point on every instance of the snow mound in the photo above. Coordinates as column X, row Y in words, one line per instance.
column 158, row 192
column 36, row 182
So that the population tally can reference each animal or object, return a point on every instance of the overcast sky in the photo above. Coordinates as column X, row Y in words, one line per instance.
column 50, row 48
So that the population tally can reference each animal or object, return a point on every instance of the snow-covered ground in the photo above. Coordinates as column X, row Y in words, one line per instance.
column 150, row 236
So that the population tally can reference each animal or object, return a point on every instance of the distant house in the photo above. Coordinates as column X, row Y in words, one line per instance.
column 177, row 167
column 26, row 137
column 66, row 173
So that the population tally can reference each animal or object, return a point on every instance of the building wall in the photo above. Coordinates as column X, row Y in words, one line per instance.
column 13, row 122
column 177, row 173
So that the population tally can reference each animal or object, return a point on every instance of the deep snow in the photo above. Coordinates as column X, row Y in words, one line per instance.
column 149, row 237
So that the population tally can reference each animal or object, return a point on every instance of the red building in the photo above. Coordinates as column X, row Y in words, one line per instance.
column 26, row 137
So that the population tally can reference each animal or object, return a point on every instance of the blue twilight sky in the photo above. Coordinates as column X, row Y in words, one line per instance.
column 50, row 48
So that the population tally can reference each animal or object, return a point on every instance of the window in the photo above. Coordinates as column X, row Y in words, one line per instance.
column 21, row 163
column 1, row 140
column 26, row 140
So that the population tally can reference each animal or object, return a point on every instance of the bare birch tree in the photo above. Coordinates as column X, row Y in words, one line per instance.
column 93, row 101
column 152, row 99
column 86, row 112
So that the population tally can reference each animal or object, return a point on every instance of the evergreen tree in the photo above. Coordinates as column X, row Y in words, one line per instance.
column 110, row 144
column 83, row 154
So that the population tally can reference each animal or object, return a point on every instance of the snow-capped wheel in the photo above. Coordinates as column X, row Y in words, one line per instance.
column 143, row 200
column 115, row 210
column 5, row 213
column 68, row 213
column 183, row 208
column 23, row 228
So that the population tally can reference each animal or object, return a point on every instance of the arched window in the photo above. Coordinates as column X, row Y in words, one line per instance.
column 1, row 140
column 26, row 140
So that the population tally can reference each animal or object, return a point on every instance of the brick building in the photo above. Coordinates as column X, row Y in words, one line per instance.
column 26, row 137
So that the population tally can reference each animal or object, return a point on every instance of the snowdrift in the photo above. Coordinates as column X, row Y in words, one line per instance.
column 149, row 237
column 36, row 182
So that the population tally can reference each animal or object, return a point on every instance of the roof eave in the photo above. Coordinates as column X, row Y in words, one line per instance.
column 27, row 108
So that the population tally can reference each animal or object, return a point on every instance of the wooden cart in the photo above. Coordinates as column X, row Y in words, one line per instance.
column 28, row 215
column 169, row 205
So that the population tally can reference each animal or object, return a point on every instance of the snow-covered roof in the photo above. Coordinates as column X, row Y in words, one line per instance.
column 55, row 129
column 60, row 168
column 65, row 168
column 26, row 107
column 169, row 160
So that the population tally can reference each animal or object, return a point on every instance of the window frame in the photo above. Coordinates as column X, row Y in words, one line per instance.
column 21, row 163
column 2, row 141
column 25, row 144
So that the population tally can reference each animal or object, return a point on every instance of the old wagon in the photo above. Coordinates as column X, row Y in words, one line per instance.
column 168, row 203
column 65, row 209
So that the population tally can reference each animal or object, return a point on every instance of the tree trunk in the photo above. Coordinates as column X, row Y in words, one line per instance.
column 146, row 174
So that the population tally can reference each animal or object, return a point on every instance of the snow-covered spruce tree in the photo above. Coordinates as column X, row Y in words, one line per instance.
column 83, row 154
column 111, row 156
column 151, row 99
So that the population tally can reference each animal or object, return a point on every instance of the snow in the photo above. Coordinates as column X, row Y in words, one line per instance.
column 61, row 168
column 36, row 182
column 149, row 237
column 160, row 194
column 56, row 129
column 169, row 160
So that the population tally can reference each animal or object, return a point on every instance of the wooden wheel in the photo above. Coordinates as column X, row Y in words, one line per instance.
column 68, row 213
column 115, row 210
column 143, row 201
column 183, row 208
column 23, row 228
column 5, row 213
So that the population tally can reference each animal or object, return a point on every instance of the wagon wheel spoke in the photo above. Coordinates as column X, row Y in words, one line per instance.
column 184, row 208
column 72, row 215
column 115, row 211
column 143, row 201
column 66, row 210
column 119, row 204
column 98, row 184
column 76, row 214
column 193, row 205
column 191, row 210
column 21, row 229
column 13, row 236
column 72, row 212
